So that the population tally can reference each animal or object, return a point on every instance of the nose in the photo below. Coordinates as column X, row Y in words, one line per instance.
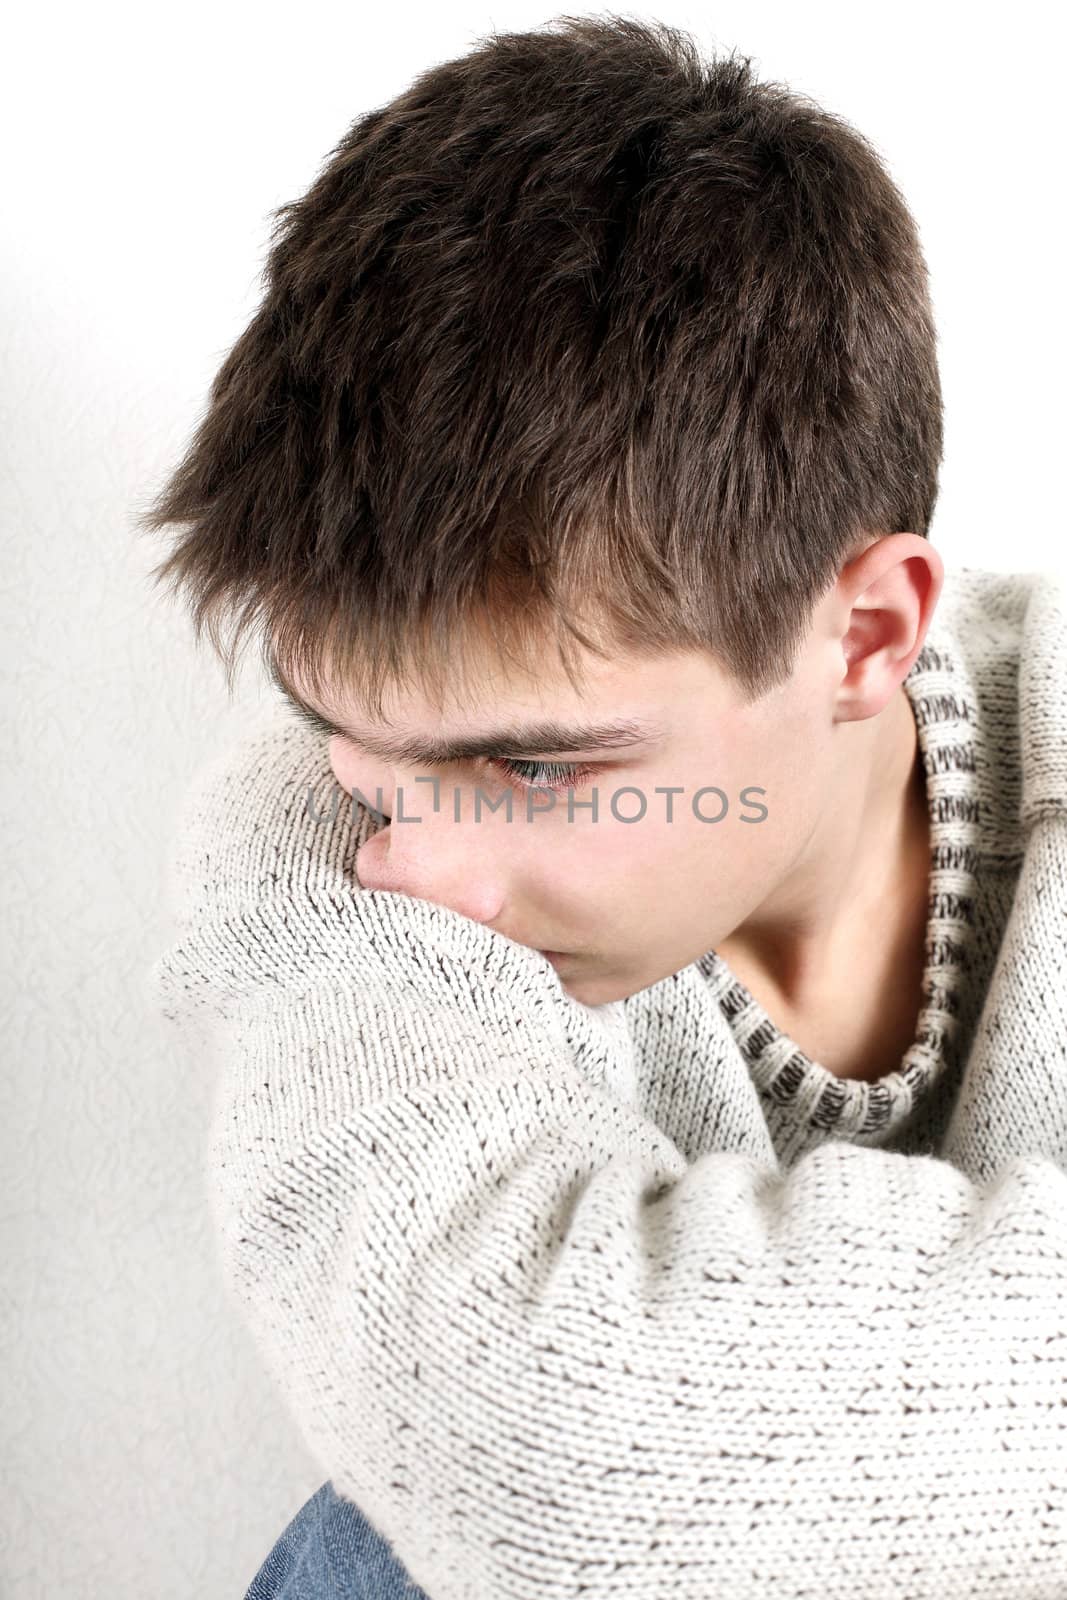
column 444, row 866
column 434, row 858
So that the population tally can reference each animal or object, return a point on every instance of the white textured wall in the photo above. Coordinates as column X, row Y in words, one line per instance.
column 143, row 1452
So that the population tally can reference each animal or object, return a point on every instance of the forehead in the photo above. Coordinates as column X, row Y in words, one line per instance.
column 483, row 685
column 621, row 708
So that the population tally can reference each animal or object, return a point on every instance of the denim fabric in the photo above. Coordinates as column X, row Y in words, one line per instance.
column 330, row 1552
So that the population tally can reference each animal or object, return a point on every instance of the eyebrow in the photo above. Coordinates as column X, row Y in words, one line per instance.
column 517, row 741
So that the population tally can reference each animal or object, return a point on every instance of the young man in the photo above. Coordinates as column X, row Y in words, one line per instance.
column 657, row 1187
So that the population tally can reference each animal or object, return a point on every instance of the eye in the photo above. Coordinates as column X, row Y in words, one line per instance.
column 555, row 775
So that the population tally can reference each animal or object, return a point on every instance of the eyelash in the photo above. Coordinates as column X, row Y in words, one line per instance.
column 565, row 774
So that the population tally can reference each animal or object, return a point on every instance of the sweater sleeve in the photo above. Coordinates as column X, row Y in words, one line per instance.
column 547, row 1356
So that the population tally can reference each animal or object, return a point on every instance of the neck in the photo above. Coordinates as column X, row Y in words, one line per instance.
column 865, row 865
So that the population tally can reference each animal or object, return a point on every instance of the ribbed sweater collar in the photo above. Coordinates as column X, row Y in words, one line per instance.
column 966, row 721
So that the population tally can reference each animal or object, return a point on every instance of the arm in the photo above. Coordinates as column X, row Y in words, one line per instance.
column 547, row 1356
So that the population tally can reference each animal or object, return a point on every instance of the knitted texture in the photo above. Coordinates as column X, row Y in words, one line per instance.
column 625, row 1302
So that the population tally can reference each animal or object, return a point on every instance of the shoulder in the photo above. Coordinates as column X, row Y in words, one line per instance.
column 1007, row 636
column 985, row 610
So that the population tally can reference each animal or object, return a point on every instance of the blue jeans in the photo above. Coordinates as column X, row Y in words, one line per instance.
column 330, row 1552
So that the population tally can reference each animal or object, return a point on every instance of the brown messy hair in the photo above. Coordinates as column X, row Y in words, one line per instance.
column 581, row 337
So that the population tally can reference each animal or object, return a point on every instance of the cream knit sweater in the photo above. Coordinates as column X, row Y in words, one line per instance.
column 636, row 1300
